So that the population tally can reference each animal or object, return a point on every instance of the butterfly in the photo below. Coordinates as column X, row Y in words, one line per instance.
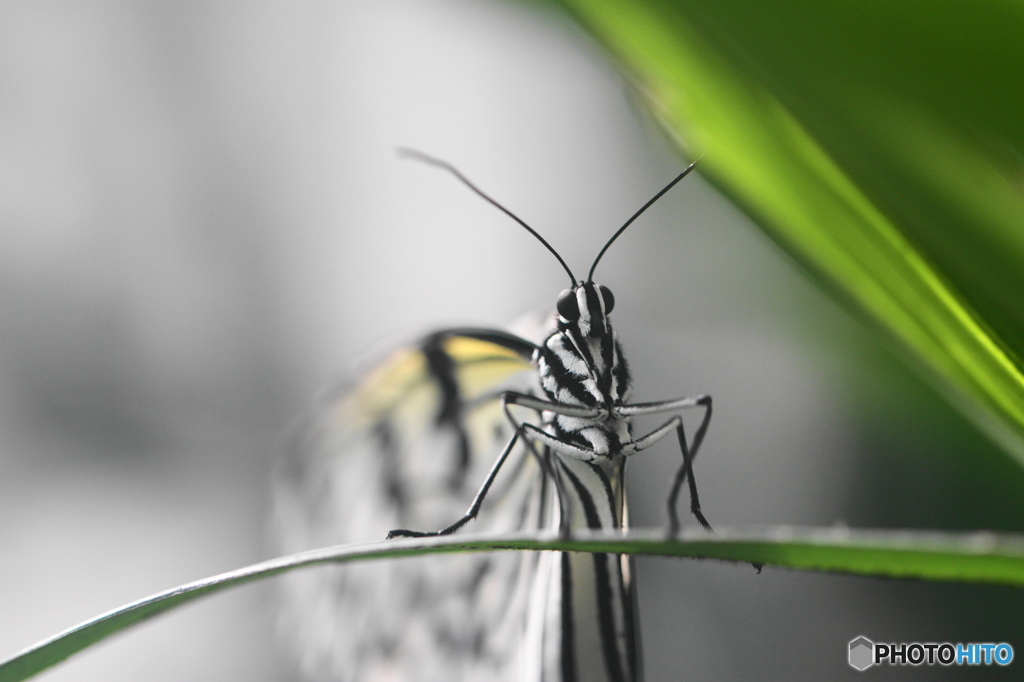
column 534, row 427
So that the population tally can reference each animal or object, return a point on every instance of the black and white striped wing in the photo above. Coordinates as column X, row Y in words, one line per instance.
column 407, row 446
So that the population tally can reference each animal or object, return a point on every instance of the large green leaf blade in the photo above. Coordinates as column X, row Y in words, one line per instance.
column 879, row 144
column 975, row 557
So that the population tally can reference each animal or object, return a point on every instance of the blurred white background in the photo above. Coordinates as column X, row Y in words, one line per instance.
column 204, row 221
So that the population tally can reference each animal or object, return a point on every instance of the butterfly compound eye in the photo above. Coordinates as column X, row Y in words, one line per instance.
column 568, row 307
column 609, row 299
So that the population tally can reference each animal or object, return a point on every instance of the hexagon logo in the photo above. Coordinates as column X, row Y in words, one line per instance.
column 862, row 653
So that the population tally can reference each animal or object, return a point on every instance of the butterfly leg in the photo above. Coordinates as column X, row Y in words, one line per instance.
column 474, row 508
column 525, row 400
column 508, row 398
column 689, row 454
column 685, row 471
column 532, row 434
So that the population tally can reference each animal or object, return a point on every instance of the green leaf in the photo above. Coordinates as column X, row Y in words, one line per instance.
column 975, row 557
column 879, row 143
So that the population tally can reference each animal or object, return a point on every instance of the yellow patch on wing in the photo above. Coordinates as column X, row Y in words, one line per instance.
column 401, row 387
column 481, row 366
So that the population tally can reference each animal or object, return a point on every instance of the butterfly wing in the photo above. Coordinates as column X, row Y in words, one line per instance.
column 406, row 447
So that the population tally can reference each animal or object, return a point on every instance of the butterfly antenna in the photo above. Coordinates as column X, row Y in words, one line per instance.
column 590, row 276
column 420, row 156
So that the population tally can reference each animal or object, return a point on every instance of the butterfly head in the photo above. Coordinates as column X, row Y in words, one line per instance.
column 586, row 307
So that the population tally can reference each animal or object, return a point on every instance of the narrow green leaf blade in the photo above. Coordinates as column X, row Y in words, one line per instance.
column 977, row 557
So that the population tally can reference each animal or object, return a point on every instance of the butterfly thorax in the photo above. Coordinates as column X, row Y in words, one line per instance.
column 581, row 364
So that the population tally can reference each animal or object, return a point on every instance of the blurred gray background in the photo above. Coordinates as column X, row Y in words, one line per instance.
column 203, row 220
